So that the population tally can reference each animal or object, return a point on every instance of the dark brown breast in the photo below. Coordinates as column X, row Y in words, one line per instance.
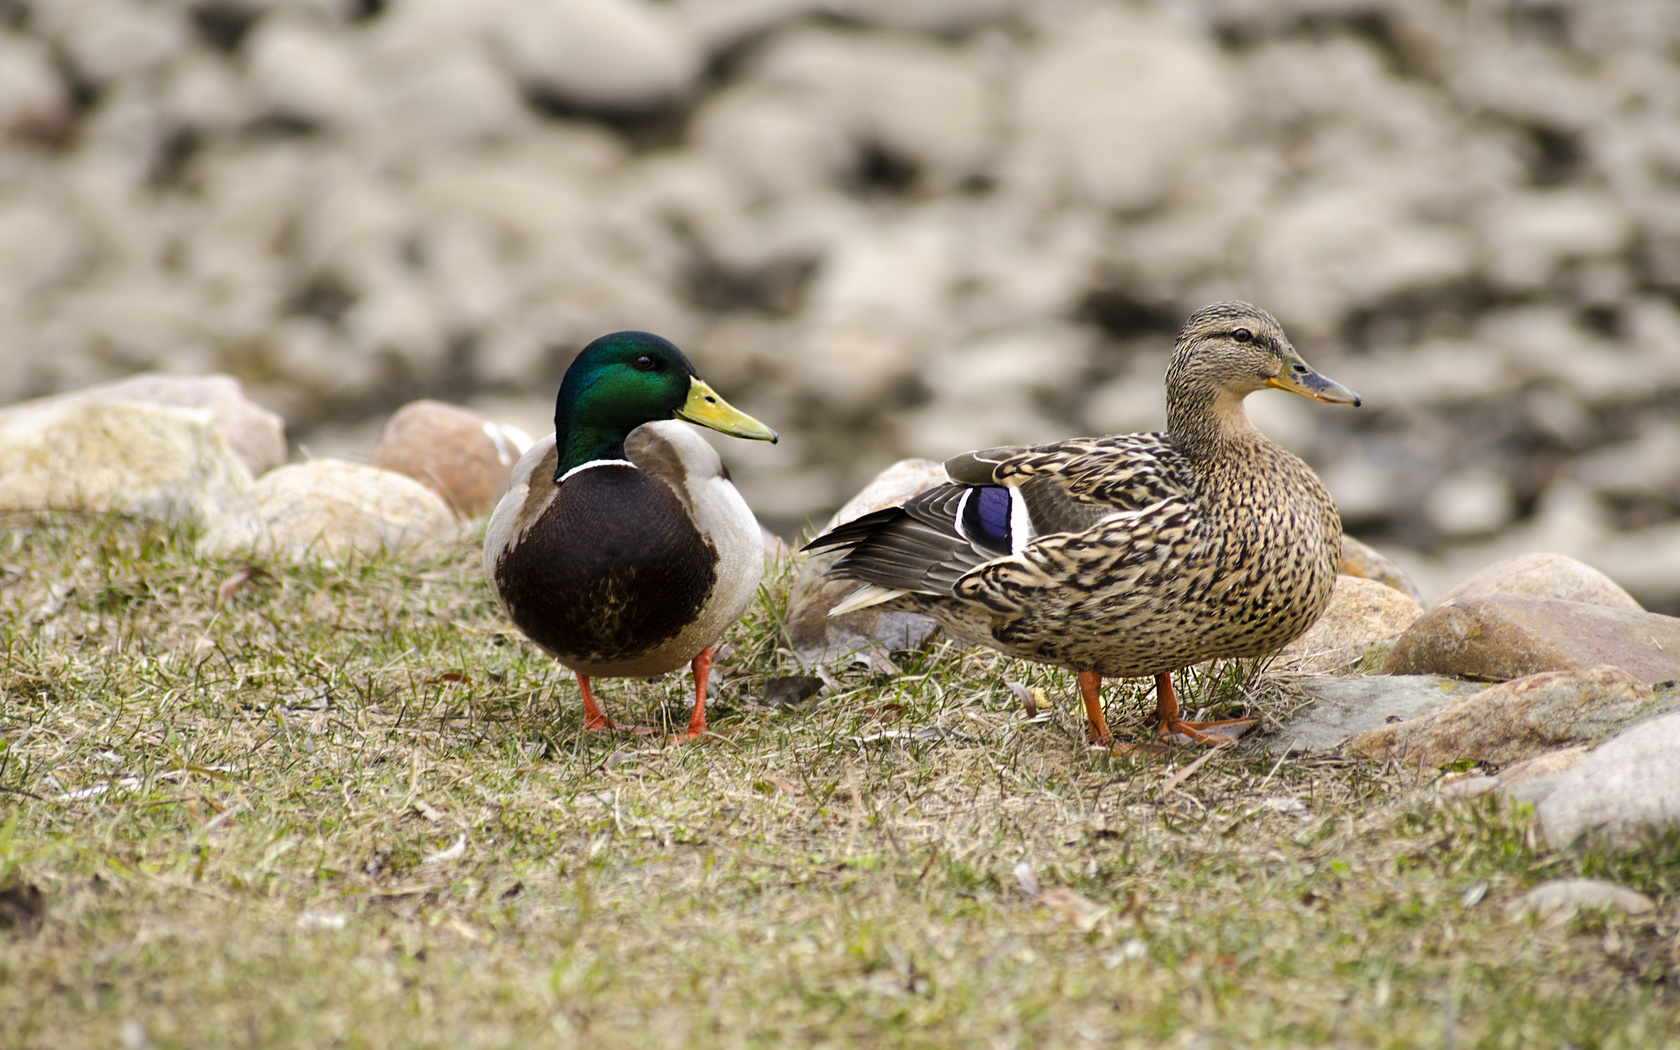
column 611, row 569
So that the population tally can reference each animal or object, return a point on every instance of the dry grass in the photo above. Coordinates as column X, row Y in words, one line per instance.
column 350, row 807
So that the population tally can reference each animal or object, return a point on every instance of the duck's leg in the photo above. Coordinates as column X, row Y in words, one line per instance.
column 702, row 667
column 1096, row 726
column 1166, row 716
column 594, row 719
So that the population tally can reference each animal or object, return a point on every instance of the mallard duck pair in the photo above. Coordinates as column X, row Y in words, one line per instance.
column 1127, row 556
column 622, row 549
column 620, row 546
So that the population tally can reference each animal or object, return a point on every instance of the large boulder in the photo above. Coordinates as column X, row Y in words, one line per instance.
column 1622, row 792
column 1362, row 614
column 1503, row 636
column 1545, row 575
column 171, row 464
column 1515, row 720
column 1368, row 563
column 1335, row 709
column 331, row 511
column 253, row 433
column 453, row 451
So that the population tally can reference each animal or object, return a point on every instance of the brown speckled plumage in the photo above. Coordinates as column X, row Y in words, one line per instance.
column 1132, row 555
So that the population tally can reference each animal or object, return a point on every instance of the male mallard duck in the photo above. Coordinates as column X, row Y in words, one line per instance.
column 1126, row 556
column 621, row 547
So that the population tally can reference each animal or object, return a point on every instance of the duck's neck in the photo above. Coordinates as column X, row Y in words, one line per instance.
column 1210, row 424
column 579, row 440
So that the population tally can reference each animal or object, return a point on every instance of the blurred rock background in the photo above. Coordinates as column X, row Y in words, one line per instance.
column 892, row 228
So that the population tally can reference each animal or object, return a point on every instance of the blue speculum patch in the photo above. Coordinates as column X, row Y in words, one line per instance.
column 986, row 517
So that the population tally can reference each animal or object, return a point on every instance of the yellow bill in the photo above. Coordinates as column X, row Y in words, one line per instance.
column 707, row 409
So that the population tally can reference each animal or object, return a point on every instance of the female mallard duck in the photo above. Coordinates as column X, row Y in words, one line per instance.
column 1126, row 556
column 621, row 547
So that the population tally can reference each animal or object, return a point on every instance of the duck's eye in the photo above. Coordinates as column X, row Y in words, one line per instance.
column 1243, row 335
column 643, row 363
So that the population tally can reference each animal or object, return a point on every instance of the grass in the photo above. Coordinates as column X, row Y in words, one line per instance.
column 351, row 807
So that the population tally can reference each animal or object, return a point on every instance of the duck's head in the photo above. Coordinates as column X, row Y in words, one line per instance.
column 1237, row 349
column 1225, row 352
column 625, row 379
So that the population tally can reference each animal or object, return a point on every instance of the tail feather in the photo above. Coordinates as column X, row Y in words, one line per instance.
column 865, row 596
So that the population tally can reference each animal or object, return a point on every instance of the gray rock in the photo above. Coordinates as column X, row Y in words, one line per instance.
column 1362, row 614
column 1113, row 108
column 1561, row 898
column 601, row 55
column 1533, row 779
column 152, row 461
column 331, row 511
column 1530, row 235
column 935, row 16
column 33, row 97
column 1625, row 790
column 1545, row 576
column 301, row 69
column 1339, row 708
column 108, row 39
column 1515, row 720
column 927, row 105
column 1504, row 636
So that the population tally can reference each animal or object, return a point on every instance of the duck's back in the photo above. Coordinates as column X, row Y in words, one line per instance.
column 1191, row 563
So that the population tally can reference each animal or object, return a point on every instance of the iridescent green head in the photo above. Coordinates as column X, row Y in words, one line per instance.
column 625, row 379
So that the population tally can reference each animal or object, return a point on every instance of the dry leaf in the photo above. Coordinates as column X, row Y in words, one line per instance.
column 237, row 582
column 1078, row 909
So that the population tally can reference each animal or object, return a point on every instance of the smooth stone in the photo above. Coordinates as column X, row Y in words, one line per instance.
column 1362, row 613
column 1503, row 636
column 453, row 451
column 152, row 461
column 1340, row 708
column 1368, row 563
column 1543, row 575
column 1565, row 897
column 253, row 433
column 1515, row 720
column 1622, row 792
column 611, row 56
column 330, row 511
column 1112, row 109
column 1533, row 779
column 817, row 636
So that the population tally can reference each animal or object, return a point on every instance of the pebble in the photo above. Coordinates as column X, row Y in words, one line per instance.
column 331, row 511
column 1563, row 898
column 1514, row 720
column 151, row 461
column 1624, row 791
column 1503, row 636
column 453, row 451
